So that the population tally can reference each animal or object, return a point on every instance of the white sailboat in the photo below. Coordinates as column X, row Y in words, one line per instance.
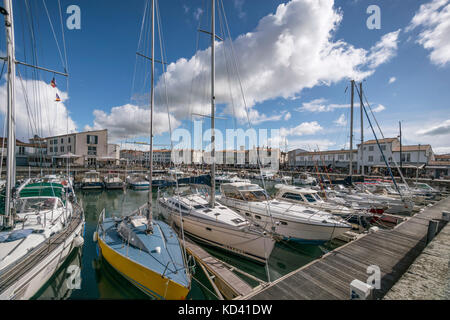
column 41, row 225
column 218, row 225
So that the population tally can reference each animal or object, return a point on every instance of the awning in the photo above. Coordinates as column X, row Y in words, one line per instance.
column 438, row 167
column 67, row 156
column 404, row 166
column 106, row 159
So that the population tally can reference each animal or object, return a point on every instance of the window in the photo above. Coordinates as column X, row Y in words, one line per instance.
column 69, row 148
column 62, row 148
column 341, row 157
column 51, row 149
column 383, row 147
column 370, row 158
column 62, row 140
column 92, row 151
column 371, row 148
column 55, row 141
column 381, row 159
column 91, row 139
column 68, row 139
column 310, row 198
column 292, row 196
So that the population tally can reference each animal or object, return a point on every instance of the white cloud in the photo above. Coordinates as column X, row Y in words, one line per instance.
column 320, row 105
column 129, row 121
column 384, row 49
column 434, row 20
column 186, row 8
column 438, row 129
column 392, row 80
column 341, row 121
column 305, row 128
column 43, row 116
column 379, row 108
column 288, row 51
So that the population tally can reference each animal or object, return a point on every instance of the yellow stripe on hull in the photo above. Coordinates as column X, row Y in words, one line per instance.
column 145, row 279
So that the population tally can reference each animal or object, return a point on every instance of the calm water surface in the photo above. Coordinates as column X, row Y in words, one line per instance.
column 85, row 275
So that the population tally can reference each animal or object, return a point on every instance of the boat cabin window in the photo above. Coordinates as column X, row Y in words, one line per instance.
column 233, row 194
column 199, row 206
column 254, row 196
column 237, row 220
column 36, row 204
column 310, row 198
column 293, row 196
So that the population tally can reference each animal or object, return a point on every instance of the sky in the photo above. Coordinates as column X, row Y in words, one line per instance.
column 283, row 66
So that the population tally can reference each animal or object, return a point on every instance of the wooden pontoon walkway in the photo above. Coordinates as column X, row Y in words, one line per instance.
column 393, row 251
column 228, row 283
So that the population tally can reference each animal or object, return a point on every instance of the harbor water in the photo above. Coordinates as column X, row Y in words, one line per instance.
column 85, row 275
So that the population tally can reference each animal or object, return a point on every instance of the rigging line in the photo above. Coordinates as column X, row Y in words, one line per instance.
column 382, row 153
column 248, row 118
column 139, row 43
column 53, row 31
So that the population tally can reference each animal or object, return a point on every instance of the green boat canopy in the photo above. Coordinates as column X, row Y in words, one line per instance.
column 42, row 189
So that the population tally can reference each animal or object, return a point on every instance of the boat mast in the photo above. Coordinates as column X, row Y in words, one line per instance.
column 213, row 75
column 10, row 164
column 152, row 95
column 351, row 128
column 362, row 127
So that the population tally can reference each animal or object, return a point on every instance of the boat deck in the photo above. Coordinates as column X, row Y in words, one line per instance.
column 14, row 272
column 393, row 251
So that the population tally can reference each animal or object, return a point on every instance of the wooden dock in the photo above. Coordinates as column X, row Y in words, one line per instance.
column 329, row 277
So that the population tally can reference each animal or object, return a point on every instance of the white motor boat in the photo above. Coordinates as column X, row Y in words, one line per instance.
column 291, row 221
column 311, row 198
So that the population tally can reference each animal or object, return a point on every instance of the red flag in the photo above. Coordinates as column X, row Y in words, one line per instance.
column 53, row 83
column 57, row 98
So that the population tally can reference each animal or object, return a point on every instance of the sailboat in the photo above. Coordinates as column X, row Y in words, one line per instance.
column 217, row 226
column 42, row 222
column 146, row 252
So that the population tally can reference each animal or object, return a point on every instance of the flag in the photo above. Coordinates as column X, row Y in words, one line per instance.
column 57, row 98
column 53, row 83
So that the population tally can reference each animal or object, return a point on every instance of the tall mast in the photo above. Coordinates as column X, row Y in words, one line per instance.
column 351, row 128
column 213, row 79
column 152, row 95
column 10, row 173
column 362, row 127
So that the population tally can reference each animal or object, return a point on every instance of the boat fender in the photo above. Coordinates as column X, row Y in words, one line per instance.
column 95, row 236
column 158, row 250
column 373, row 229
column 78, row 241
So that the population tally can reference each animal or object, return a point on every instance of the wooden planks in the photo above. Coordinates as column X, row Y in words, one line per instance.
column 393, row 251
column 230, row 284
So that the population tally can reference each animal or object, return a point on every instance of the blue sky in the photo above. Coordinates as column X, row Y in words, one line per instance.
column 296, row 67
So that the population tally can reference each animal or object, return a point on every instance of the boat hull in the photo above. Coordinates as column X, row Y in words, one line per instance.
column 91, row 185
column 287, row 228
column 113, row 185
column 250, row 245
column 142, row 277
